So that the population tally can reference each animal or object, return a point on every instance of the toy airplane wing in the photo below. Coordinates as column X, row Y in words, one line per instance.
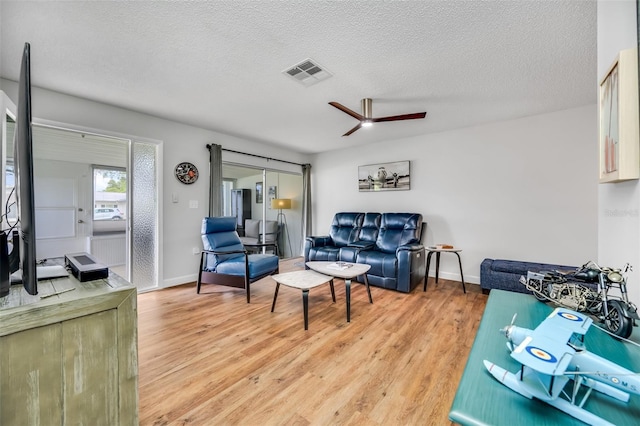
column 562, row 323
column 544, row 355
column 546, row 350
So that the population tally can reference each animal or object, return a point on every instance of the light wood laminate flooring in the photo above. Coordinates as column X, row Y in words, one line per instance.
column 213, row 359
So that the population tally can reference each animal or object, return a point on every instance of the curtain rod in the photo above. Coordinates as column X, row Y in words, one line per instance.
column 259, row 156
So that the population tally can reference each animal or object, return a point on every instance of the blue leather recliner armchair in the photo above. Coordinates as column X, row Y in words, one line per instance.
column 225, row 260
column 389, row 242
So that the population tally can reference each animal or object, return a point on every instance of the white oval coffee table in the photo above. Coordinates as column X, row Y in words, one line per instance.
column 350, row 271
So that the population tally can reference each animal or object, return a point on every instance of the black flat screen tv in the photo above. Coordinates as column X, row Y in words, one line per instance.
column 23, row 164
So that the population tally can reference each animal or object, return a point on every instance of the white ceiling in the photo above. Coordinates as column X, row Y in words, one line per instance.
column 218, row 64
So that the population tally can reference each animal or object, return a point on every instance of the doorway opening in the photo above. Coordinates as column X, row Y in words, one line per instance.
column 85, row 207
column 108, row 241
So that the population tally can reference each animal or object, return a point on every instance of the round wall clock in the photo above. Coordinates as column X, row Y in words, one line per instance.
column 186, row 172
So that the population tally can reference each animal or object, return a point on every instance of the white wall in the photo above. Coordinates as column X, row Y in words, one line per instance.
column 180, row 225
column 524, row 189
column 0, row 45
column 619, row 203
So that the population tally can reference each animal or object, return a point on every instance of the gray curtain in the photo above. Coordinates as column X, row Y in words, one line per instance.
column 306, row 204
column 215, row 180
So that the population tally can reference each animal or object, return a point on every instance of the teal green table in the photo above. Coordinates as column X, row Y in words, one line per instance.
column 482, row 400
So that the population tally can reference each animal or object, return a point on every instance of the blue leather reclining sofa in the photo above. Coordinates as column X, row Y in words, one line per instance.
column 389, row 242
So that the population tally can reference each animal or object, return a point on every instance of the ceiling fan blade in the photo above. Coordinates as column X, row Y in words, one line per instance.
column 347, row 110
column 400, row 117
column 353, row 130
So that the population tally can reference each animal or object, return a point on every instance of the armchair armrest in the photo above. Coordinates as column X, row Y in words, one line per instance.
column 410, row 248
column 204, row 260
column 224, row 252
column 270, row 237
column 320, row 241
column 411, row 266
column 272, row 245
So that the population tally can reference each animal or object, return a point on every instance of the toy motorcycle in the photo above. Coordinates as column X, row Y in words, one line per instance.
column 587, row 290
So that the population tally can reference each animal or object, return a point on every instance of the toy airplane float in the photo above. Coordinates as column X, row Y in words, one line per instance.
column 552, row 355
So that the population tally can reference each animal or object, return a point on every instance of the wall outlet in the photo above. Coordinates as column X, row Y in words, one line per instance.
column 193, row 204
column 196, row 250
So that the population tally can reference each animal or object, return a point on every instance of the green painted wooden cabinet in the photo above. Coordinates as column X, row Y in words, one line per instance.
column 69, row 355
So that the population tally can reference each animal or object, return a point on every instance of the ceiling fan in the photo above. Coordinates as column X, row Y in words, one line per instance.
column 367, row 120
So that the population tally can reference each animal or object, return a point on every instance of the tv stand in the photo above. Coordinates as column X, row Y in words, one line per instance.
column 69, row 354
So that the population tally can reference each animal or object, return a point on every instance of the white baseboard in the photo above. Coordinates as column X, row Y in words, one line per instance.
column 473, row 279
column 185, row 279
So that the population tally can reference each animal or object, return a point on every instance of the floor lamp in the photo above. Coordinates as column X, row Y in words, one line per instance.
column 282, row 204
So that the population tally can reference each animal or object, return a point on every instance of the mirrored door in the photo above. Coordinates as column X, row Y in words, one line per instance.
column 284, row 205
column 248, row 195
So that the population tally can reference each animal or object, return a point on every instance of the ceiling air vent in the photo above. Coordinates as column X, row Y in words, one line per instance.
column 307, row 72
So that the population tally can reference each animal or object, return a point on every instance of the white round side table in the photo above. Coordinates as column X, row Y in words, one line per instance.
column 438, row 251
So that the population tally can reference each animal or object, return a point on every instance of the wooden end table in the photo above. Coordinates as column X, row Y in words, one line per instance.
column 438, row 251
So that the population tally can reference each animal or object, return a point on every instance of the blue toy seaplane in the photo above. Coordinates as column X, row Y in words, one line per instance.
column 554, row 354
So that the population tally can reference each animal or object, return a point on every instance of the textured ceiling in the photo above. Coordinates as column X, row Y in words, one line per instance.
column 218, row 65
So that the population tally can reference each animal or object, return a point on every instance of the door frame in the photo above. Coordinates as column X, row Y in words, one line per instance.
column 159, row 199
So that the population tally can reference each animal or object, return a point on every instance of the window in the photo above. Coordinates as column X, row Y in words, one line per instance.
column 109, row 199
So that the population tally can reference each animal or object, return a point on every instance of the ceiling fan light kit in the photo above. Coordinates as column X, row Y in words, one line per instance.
column 366, row 118
column 367, row 107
